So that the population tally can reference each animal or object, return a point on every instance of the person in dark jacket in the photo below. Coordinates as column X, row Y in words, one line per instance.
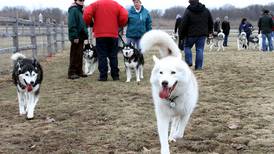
column 197, row 25
column 178, row 22
column 226, row 29
column 246, row 27
column 108, row 16
column 77, row 32
column 265, row 24
column 217, row 27
column 139, row 22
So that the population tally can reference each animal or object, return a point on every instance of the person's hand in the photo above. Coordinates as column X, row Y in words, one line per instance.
column 76, row 41
column 210, row 35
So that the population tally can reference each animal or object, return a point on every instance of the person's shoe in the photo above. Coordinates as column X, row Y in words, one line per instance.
column 116, row 78
column 102, row 79
column 73, row 77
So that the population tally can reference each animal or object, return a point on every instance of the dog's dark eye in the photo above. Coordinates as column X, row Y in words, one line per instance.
column 27, row 74
column 173, row 72
column 161, row 72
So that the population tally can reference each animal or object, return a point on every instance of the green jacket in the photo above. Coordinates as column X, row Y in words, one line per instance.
column 77, row 28
column 265, row 24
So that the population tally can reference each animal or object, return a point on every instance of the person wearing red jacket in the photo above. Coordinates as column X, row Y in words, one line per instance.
column 106, row 16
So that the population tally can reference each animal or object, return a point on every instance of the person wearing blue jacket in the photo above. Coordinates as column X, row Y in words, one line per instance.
column 139, row 22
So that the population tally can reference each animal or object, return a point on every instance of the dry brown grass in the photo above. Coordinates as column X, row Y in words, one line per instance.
column 234, row 112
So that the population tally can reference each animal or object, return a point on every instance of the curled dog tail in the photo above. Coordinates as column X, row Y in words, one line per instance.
column 161, row 40
column 17, row 56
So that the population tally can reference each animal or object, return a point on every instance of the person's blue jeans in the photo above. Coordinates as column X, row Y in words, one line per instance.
column 225, row 40
column 199, row 42
column 134, row 41
column 265, row 46
column 107, row 47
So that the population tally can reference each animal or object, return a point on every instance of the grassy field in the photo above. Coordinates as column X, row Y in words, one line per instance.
column 234, row 113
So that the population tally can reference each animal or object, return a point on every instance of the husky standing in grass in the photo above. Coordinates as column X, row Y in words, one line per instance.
column 27, row 76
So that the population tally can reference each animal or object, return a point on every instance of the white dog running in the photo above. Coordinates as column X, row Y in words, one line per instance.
column 174, row 87
column 242, row 41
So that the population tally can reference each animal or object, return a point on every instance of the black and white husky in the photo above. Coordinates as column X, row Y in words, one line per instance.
column 90, row 59
column 133, row 60
column 27, row 76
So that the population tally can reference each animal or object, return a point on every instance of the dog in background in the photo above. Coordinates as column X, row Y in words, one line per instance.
column 174, row 87
column 217, row 42
column 254, row 42
column 90, row 59
column 27, row 76
column 242, row 41
column 133, row 60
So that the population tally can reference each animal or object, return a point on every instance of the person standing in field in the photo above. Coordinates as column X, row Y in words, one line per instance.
column 139, row 22
column 108, row 16
column 226, row 29
column 77, row 32
column 196, row 26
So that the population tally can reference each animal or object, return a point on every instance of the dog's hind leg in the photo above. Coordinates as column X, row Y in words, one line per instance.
column 163, row 123
column 141, row 68
column 22, row 103
column 137, row 72
column 181, row 126
column 128, row 74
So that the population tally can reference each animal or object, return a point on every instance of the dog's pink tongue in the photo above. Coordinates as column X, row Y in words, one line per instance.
column 29, row 88
column 164, row 93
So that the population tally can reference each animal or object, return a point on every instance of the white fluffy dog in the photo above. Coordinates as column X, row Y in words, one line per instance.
column 242, row 41
column 218, row 42
column 174, row 87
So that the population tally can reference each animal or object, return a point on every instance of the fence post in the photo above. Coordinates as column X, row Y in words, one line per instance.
column 55, row 37
column 33, row 40
column 62, row 36
column 15, row 36
column 49, row 40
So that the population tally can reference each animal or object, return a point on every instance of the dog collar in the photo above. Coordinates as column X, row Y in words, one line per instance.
column 171, row 100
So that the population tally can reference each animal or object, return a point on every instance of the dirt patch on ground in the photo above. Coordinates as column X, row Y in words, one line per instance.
column 234, row 113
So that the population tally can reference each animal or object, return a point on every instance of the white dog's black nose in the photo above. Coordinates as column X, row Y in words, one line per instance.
column 32, row 83
column 164, row 83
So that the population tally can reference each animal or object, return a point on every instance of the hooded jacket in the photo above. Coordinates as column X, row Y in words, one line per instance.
column 108, row 16
column 76, row 27
column 138, row 22
column 197, row 21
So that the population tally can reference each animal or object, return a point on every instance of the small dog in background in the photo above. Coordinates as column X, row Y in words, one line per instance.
column 90, row 59
column 242, row 41
column 133, row 60
column 27, row 76
column 217, row 42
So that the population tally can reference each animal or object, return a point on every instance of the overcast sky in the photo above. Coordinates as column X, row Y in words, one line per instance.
column 149, row 4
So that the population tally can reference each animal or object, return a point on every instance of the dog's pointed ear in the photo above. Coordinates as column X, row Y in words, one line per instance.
column 155, row 59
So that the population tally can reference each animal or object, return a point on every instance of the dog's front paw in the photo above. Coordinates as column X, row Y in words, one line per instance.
column 171, row 140
column 30, row 116
column 138, row 80
column 22, row 113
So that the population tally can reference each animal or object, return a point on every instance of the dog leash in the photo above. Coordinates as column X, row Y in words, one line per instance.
column 121, row 38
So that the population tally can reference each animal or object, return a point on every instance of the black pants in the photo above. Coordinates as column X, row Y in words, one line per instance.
column 107, row 47
column 76, row 59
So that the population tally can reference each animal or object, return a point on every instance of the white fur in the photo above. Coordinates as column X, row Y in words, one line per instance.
column 89, row 64
column 242, row 41
column 27, row 99
column 132, row 65
column 218, row 42
column 170, row 69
